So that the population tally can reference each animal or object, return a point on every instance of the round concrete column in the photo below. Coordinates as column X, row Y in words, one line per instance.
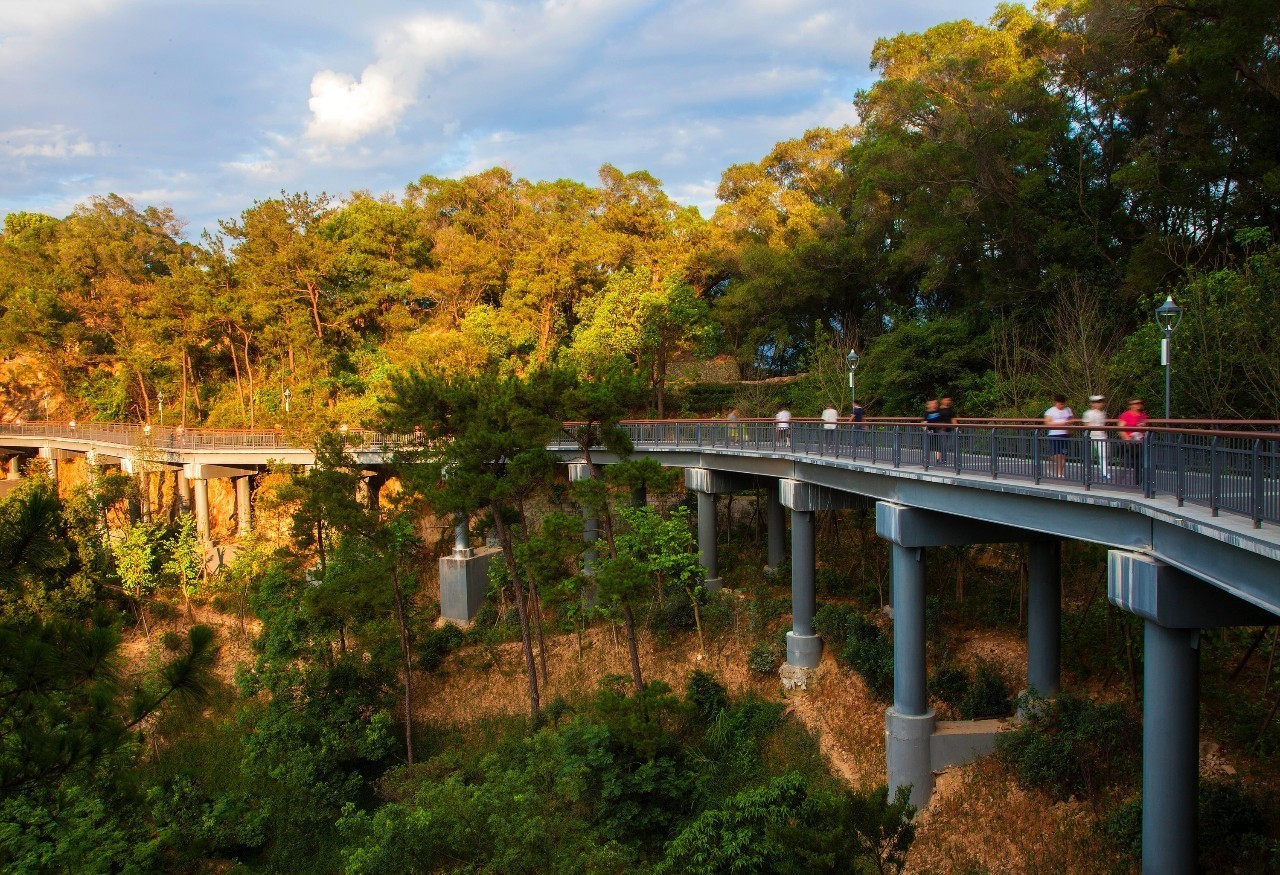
column 461, row 537
column 804, row 649
column 1170, row 750
column 909, row 723
column 777, row 520
column 707, row 540
column 244, row 521
column 1044, row 617
column 201, row 488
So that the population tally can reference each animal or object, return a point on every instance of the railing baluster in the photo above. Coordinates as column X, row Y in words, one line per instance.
column 1215, row 486
column 1256, row 472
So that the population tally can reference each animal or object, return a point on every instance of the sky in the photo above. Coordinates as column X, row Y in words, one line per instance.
column 206, row 106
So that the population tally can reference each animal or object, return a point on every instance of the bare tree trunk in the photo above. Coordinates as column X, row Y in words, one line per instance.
column 630, row 621
column 407, row 656
column 235, row 364
column 536, row 608
column 508, row 554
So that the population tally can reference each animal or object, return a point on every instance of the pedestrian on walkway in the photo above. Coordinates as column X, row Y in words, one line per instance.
column 1055, row 417
column 946, row 429
column 782, row 420
column 1096, row 418
column 931, row 427
column 735, row 430
column 830, row 418
column 1132, row 433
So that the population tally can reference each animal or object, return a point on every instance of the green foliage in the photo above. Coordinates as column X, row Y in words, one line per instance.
column 762, row 658
column 436, row 644
column 977, row 695
column 859, row 644
column 1234, row 836
column 1074, row 747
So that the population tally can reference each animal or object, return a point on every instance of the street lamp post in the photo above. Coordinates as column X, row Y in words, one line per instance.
column 852, row 358
column 160, row 397
column 1168, row 315
column 288, row 396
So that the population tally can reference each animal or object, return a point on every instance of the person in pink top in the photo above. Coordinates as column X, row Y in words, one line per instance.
column 1132, row 429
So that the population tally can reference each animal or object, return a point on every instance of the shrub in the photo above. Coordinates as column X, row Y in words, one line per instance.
column 1232, row 835
column 437, row 644
column 951, row 683
column 763, row 659
column 988, row 696
column 1072, row 746
column 868, row 652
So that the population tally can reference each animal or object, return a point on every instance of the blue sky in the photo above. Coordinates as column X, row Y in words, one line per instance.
column 207, row 106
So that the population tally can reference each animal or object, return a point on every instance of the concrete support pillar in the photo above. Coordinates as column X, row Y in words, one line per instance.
column 464, row 576
column 804, row 648
column 183, row 489
column 1044, row 617
column 461, row 537
column 1174, row 607
column 50, row 460
column 909, row 723
column 14, row 468
column 777, row 522
column 590, row 522
column 244, row 521
column 1170, row 749
column 707, row 540
column 201, row 489
column 144, row 495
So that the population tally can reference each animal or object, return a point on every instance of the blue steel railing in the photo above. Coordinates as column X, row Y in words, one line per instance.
column 1236, row 472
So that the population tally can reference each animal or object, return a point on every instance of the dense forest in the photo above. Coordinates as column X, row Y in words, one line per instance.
column 1014, row 202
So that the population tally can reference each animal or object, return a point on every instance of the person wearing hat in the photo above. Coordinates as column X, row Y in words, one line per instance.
column 1096, row 418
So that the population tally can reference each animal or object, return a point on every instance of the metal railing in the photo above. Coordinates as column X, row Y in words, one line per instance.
column 1233, row 471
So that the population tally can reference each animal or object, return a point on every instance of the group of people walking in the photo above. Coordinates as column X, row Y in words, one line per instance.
column 1111, row 452
column 1115, row 445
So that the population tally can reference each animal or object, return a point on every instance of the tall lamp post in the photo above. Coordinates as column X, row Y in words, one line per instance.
column 288, row 396
column 852, row 359
column 160, row 396
column 1168, row 315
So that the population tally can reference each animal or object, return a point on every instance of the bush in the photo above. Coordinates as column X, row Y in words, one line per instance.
column 763, row 659
column 1072, row 746
column 988, row 696
column 870, row 654
column 1232, row 835
column 437, row 644
column 951, row 683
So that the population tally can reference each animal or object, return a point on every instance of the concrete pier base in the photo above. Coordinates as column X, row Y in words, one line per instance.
column 464, row 581
column 908, row 754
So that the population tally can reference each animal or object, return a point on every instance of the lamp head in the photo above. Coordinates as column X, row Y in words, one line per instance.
column 852, row 358
column 1168, row 315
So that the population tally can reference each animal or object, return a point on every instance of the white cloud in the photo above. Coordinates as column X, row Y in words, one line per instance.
column 344, row 110
column 54, row 143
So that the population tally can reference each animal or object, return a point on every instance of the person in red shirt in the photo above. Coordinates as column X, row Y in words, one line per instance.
column 1132, row 430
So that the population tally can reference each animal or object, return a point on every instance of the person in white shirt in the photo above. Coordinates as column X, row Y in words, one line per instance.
column 830, row 417
column 783, row 421
column 1096, row 418
column 1057, row 416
